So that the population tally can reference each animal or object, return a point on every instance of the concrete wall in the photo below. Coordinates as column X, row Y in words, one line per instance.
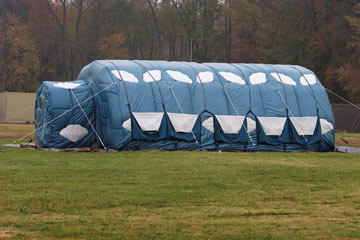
column 17, row 107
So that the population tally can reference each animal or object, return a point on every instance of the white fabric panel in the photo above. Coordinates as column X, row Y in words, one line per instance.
column 205, row 77
column 74, row 132
column 304, row 125
column 283, row 78
column 183, row 123
column 231, row 77
column 209, row 124
column 149, row 121
column 326, row 126
column 126, row 76
column 257, row 78
column 230, row 124
column 273, row 126
column 67, row 85
column 311, row 79
column 151, row 76
column 179, row 76
column 251, row 124
column 127, row 124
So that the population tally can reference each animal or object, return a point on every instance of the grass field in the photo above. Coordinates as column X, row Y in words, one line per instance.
column 179, row 195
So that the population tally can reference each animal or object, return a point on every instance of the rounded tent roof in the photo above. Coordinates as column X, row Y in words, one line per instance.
column 144, row 71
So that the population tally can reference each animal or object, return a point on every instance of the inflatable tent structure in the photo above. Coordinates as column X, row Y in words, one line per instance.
column 134, row 105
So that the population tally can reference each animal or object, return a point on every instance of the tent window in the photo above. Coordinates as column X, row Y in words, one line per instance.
column 308, row 79
column 304, row 125
column 230, row 124
column 152, row 75
column 205, row 77
column 257, row 78
column 179, row 76
column 231, row 77
column 326, row 126
column 67, row 85
column 126, row 76
column 273, row 126
column 209, row 124
column 283, row 78
column 149, row 121
column 183, row 123
column 74, row 132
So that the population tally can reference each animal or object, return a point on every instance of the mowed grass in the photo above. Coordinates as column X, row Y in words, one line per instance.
column 178, row 195
column 20, row 130
column 16, row 130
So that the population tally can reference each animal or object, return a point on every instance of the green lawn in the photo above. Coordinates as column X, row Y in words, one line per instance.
column 181, row 195
column 178, row 195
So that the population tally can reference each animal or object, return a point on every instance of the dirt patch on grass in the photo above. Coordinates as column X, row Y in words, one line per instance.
column 352, row 142
column 16, row 130
column 7, row 233
column 53, row 216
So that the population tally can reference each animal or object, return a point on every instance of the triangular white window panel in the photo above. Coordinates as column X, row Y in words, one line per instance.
column 74, row 132
column 308, row 79
column 305, row 126
column 127, row 124
column 283, row 78
column 67, row 85
column 273, row 126
column 251, row 124
column 205, row 77
column 231, row 77
column 179, row 76
column 149, row 121
column 326, row 126
column 209, row 124
column 230, row 124
column 183, row 123
column 152, row 76
column 124, row 75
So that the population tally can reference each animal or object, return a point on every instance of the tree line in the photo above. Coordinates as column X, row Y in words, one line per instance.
column 51, row 40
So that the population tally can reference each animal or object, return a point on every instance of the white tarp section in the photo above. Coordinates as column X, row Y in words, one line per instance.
column 209, row 124
column 179, row 76
column 304, row 125
column 231, row 77
column 67, row 85
column 308, row 79
column 149, row 121
column 183, row 123
column 205, row 77
column 273, row 126
column 283, row 78
column 251, row 124
column 151, row 76
column 127, row 124
column 230, row 124
column 124, row 75
column 74, row 132
column 326, row 126
column 257, row 78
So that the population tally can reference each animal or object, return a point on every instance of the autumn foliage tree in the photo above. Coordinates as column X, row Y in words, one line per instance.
column 20, row 60
column 52, row 39
column 349, row 73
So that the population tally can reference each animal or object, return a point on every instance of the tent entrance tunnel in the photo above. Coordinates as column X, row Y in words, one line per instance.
column 134, row 105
